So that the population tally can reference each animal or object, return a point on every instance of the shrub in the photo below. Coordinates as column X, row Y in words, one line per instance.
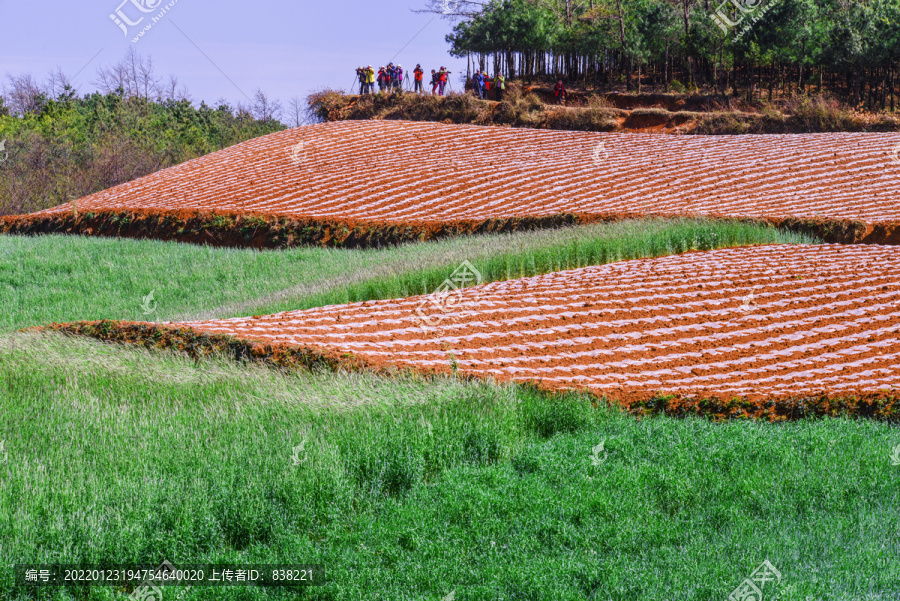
column 818, row 114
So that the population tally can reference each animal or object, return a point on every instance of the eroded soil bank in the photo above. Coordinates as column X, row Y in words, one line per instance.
column 264, row 231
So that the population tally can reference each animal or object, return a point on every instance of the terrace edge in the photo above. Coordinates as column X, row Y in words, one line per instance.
column 272, row 231
column 883, row 405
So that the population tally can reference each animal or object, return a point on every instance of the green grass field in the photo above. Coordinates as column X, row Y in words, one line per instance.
column 67, row 278
column 414, row 488
column 406, row 487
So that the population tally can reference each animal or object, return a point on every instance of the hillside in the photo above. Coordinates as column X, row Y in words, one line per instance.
column 375, row 182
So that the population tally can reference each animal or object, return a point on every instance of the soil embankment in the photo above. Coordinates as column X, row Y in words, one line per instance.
column 536, row 107
column 262, row 231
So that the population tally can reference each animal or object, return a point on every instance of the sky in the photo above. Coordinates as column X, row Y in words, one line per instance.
column 224, row 49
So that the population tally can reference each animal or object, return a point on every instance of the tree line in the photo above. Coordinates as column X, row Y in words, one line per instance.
column 58, row 146
column 848, row 49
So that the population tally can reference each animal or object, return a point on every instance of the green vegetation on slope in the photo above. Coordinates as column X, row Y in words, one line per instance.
column 69, row 147
column 414, row 488
column 66, row 278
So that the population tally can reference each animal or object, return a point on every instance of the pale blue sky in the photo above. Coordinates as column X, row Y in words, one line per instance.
column 285, row 48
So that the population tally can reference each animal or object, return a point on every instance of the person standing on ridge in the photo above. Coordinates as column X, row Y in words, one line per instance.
column 435, row 80
column 478, row 84
column 399, row 72
column 382, row 79
column 442, row 80
column 499, row 85
column 361, row 78
column 370, row 80
column 417, row 76
column 560, row 91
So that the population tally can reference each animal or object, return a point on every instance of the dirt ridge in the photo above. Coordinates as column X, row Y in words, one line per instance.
column 272, row 231
column 879, row 406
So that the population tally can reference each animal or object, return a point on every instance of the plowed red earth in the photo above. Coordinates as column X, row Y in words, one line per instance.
column 766, row 322
column 412, row 173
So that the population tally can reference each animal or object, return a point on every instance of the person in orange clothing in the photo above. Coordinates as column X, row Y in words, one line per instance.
column 417, row 77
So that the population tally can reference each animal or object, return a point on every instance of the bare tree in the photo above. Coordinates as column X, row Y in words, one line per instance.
column 111, row 78
column 264, row 109
column 59, row 84
column 297, row 109
column 223, row 104
column 134, row 74
column 243, row 112
column 24, row 94
column 172, row 91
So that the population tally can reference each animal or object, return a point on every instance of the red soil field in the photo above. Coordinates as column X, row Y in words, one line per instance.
column 760, row 323
column 399, row 172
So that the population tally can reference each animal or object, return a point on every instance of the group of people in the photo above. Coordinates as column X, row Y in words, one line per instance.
column 481, row 83
column 390, row 79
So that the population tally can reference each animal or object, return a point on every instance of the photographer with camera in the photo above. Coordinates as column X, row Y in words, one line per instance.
column 417, row 76
column 370, row 80
column 443, row 77
column 361, row 78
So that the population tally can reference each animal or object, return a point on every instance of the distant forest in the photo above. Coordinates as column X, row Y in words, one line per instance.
column 56, row 147
column 848, row 49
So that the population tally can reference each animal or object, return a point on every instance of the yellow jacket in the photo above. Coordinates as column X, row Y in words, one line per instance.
column 371, row 75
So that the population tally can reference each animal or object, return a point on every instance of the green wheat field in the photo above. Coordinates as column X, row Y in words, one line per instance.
column 405, row 487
